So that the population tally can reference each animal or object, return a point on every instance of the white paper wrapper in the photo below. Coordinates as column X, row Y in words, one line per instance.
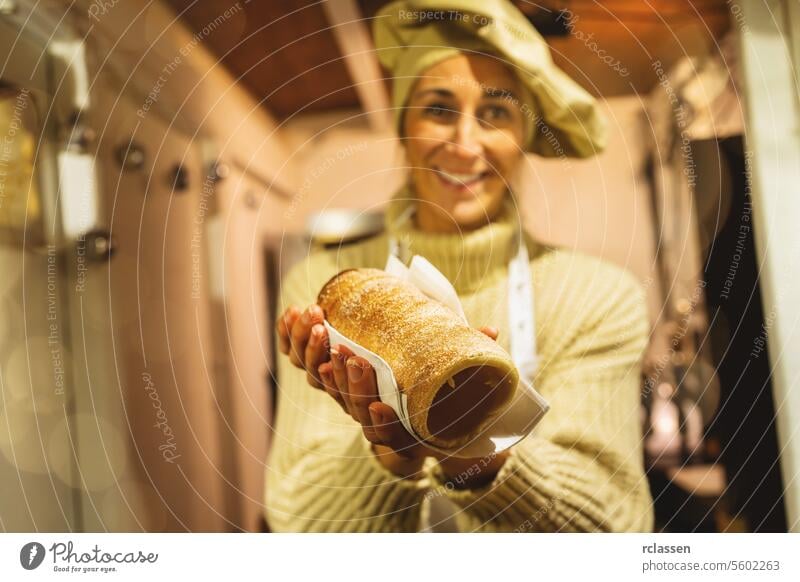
column 526, row 409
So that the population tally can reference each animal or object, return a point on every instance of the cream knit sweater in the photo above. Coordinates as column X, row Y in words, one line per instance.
column 580, row 470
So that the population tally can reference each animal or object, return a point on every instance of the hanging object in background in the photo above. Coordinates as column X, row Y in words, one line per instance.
column 694, row 98
column 20, row 207
column 674, row 422
column 341, row 226
column 79, row 199
column 130, row 156
column 218, row 171
column 179, row 178
column 710, row 90
column 679, row 380
column 663, row 442
column 98, row 245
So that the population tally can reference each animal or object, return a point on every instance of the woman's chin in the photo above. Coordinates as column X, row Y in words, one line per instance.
column 464, row 209
column 470, row 213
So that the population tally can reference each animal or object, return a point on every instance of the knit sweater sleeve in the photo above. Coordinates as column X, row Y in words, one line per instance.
column 581, row 469
column 321, row 473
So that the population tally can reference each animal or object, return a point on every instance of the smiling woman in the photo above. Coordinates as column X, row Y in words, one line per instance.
column 463, row 132
column 470, row 99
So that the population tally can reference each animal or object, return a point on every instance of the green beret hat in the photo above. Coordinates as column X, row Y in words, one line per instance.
column 413, row 35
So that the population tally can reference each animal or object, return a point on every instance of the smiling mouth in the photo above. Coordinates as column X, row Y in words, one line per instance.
column 458, row 181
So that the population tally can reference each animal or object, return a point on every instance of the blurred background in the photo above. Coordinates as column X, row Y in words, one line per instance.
column 160, row 165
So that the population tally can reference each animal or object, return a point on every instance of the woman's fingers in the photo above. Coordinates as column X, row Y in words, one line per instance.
column 492, row 332
column 390, row 432
column 301, row 331
column 363, row 390
column 284, row 326
column 339, row 356
column 298, row 338
column 316, row 353
column 326, row 375
column 352, row 382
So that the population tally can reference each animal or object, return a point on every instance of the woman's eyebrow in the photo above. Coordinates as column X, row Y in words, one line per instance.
column 501, row 93
column 437, row 91
column 491, row 92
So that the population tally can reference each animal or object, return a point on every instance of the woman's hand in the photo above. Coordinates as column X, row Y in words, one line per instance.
column 350, row 380
column 303, row 338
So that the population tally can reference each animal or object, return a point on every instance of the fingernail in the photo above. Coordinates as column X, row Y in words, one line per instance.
column 316, row 312
column 317, row 330
column 354, row 370
column 325, row 374
column 375, row 417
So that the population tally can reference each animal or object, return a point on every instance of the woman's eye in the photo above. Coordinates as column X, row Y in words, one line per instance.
column 440, row 110
column 495, row 113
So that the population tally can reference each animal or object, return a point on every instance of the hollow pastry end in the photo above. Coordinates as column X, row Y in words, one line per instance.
column 466, row 403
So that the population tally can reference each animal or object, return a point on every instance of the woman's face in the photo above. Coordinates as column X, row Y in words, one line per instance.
column 463, row 129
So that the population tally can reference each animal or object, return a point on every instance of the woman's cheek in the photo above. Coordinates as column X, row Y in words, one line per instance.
column 506, row 147
column 506, row 156
column 427, row 136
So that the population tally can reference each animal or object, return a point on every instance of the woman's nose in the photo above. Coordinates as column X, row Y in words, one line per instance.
column 466, row 137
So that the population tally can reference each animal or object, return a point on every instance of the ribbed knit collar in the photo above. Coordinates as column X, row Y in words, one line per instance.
column 469, row 259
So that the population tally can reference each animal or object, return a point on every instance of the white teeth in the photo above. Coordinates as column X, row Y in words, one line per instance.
column 460, row 178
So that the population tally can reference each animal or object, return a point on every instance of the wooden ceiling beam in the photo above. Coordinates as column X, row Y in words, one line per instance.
column 355, row 43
